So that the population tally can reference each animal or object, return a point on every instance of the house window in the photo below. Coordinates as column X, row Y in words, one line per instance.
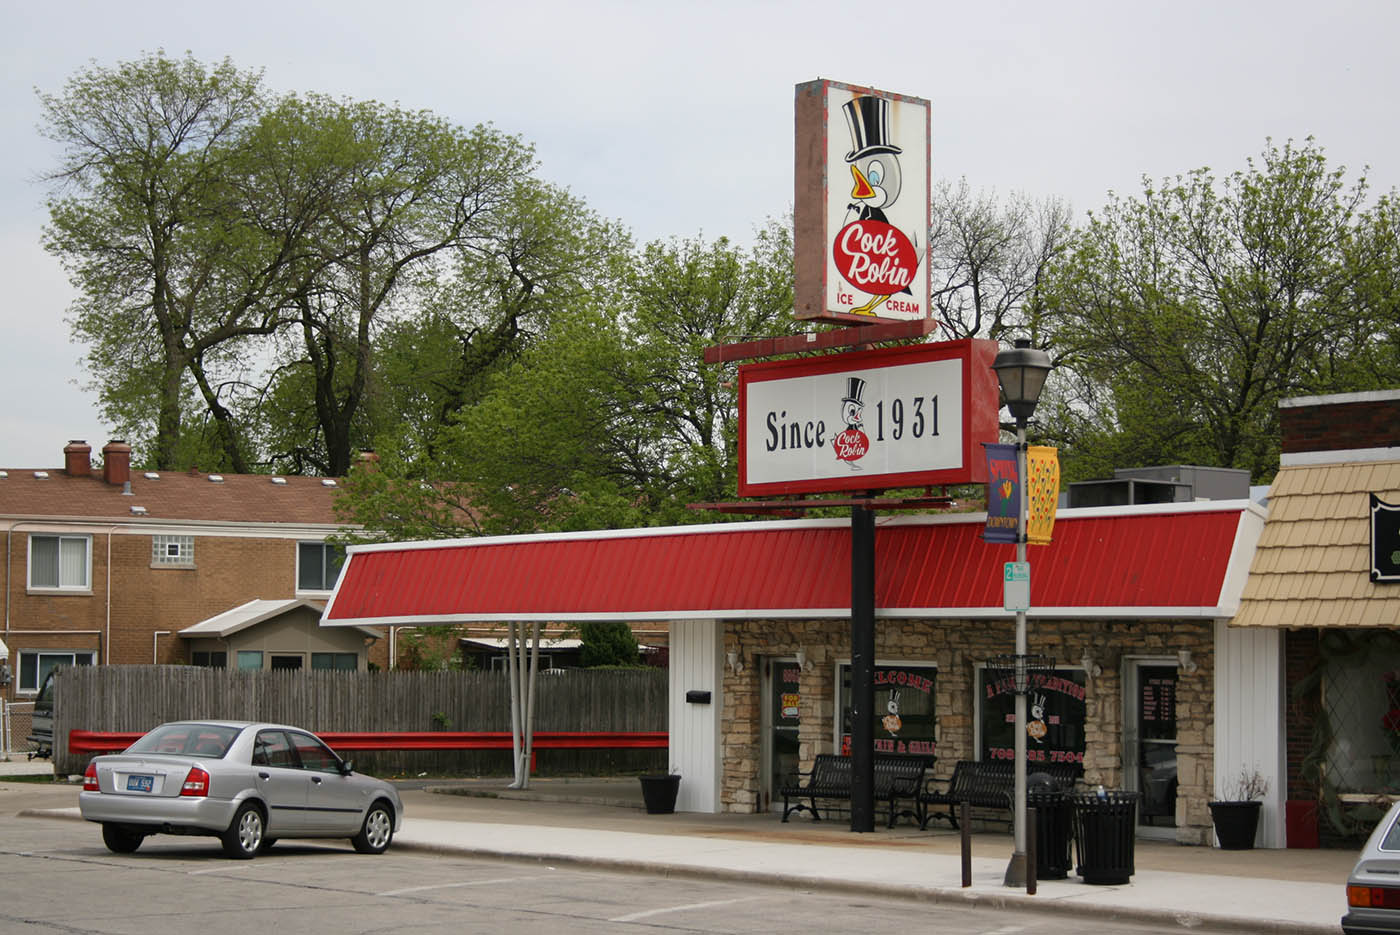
column 250, row 659
column 35, row 665
column 59, row 562
column 339, row 662
column 172, row 550
column 318, row 565
column 210, row 660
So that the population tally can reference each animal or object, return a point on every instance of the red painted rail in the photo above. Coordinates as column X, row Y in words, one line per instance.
column 91, row 741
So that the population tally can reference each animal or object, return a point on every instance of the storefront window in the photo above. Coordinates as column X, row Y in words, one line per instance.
column 1054, row 716
column 904, row 714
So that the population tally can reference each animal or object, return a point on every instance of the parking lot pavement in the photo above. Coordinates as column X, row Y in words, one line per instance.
column 601, row 823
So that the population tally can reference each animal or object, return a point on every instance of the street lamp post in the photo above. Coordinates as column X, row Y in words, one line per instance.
column 1021, row 371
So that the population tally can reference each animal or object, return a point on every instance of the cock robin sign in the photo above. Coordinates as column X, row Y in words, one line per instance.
column 861, row 208
column 869, row 420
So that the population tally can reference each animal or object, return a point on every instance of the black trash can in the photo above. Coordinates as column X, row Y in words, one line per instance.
column 1105, row 825
column 1053, row 831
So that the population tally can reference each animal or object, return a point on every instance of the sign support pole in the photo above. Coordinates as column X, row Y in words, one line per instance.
column 862, row 669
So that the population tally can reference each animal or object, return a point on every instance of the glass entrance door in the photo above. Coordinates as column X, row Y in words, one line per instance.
column 1150, row 741
column 781, row 705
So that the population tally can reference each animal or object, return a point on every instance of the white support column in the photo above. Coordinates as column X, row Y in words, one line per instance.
column 1249, row 718
column 696, row 665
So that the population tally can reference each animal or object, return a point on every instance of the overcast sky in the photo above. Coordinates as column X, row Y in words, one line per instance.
column 676, row 117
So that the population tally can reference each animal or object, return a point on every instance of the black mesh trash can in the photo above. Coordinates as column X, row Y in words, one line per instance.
column 1105, row 825
column 1053, row 831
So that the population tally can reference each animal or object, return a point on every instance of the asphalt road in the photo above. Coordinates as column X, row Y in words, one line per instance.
column 56, row 877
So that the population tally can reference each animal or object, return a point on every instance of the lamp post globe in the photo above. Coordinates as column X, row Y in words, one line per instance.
column 1021, row 372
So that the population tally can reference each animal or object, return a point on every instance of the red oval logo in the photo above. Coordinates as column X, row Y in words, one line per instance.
column 875, row 257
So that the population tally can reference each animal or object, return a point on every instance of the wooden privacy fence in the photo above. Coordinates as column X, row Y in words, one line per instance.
column 133, row 699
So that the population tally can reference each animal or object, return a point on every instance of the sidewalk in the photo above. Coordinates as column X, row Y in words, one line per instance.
column 601, row 823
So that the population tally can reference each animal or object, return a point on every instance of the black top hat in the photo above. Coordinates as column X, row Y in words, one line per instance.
column 869, row 121
column 855, row 389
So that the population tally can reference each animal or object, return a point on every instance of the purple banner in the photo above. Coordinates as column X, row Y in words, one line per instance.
column 1003, row 494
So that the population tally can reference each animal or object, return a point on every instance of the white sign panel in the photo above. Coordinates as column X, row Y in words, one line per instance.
column 868, row 215
column 1016, row 586
column 855, row 424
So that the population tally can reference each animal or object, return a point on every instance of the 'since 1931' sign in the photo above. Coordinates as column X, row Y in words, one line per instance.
column 871, row 420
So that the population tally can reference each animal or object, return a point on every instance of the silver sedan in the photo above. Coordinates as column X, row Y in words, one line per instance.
column 247, row 784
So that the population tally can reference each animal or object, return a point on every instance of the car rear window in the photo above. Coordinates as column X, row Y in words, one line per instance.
column 202, row 740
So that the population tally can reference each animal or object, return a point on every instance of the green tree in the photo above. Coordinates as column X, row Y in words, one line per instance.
column 1180, row 318
column 412, row 193
column 607, row 418
column 150, row 216
column 608, row 643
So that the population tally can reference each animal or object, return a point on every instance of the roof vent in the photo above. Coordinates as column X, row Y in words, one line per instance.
column 4, row 474
column 41, row 475
column 280, row 481
column 216, row 478
column 327, row 482
column 138, row 510
column 151, row 475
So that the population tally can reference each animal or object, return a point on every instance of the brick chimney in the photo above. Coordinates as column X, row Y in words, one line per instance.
column 116, row 462
column 1341, row 422
column 77, row 458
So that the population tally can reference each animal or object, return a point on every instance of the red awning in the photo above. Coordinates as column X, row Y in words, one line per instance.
column 1180, row 560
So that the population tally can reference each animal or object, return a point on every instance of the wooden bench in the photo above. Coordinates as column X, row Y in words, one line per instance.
column 898, row 779
column 984, row 784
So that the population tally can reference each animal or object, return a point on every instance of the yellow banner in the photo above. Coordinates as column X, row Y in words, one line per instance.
column 1042, row 492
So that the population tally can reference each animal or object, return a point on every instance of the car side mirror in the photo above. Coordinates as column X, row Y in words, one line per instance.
column 347, row 767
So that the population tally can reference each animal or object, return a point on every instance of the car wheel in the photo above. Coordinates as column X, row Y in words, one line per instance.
column 245, row 833
column 121, row 840
column 377, row 831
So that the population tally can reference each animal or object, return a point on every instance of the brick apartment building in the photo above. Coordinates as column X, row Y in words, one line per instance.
column 109, row 566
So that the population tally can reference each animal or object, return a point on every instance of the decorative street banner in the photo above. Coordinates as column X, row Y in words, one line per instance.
column 1003, row 494
column 869, row 420
column 1042, row 492
column 861, row 210
column 1385, row 540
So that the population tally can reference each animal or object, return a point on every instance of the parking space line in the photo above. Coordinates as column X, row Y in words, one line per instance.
column 634, row 916
column 444, row 886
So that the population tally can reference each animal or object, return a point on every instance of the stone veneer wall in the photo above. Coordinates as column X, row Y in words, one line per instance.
column 957, row 647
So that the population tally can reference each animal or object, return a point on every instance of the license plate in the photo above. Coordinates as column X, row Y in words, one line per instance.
column 140, row 783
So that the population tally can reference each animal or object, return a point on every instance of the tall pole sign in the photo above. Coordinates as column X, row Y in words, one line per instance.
column 861, row 206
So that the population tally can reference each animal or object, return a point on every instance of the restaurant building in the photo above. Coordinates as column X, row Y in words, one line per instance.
column 1127, row 602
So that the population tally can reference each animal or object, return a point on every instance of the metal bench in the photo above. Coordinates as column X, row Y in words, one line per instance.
column 898, row 779
column 984, row 784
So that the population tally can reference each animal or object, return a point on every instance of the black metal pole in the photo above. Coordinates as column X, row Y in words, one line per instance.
column 862, row 669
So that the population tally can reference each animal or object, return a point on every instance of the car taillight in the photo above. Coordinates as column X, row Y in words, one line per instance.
column 196, row 783
column 90, row 778
column 1373, row 897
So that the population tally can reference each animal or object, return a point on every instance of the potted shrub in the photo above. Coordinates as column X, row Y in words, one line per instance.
column 1236, row 813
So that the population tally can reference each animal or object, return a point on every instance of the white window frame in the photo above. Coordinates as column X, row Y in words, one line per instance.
column 21, row 685
column 324, row 546
column 172, row 551
column 86, row 586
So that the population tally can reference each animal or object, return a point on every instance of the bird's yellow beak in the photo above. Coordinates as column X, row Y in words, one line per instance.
column 862, row 187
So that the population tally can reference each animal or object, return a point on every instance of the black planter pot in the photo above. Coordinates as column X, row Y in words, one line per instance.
column 1235, row 824
column 659, row 793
